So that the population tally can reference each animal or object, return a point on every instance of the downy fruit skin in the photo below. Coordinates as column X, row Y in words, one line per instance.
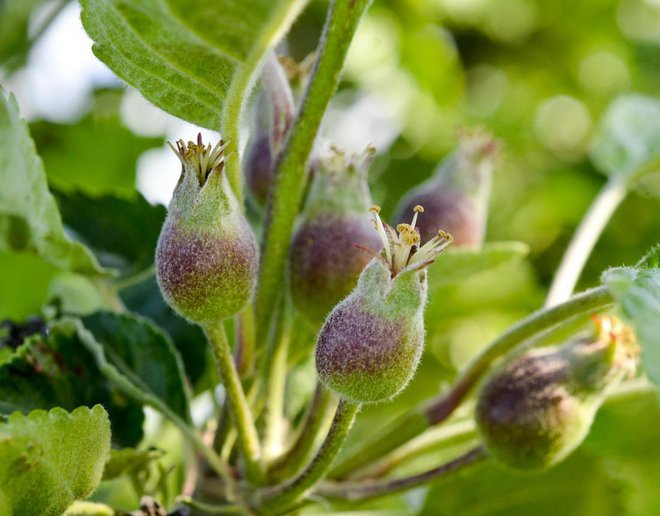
column 370, row 345
column 207, row 255
column 271, row 122
column 537, row 409
column 328, row 248
column 455, row 198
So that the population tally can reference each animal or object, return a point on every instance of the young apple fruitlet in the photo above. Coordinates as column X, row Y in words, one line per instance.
column 370, row 344
column 207, row 255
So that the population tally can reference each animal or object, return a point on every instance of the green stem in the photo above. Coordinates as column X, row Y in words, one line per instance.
column 241, row 85
column 400, row 431
column 210, row 509
column 282, row 496
column 419, row 419
column 138, row 277
column 367, row 490
column 276, row 386
column 585, row 238
column 340, row 26
column 246, row 341
column 223, row 429
column 300, row 451
column 432, row 440
column 238, row 405
column 111, row 372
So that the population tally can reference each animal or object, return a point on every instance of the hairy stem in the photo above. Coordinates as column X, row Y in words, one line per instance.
column 300, row 451
column 419, row 419
column 400, row 431
column 210, row 509
column 284, row 203
column 240, row 87
column 585, row 238
column 246, row 342
column 276, row 386
column 238, row 405
column 437, row 438
column 223, row 428
column 368, row 490
column 284, row 495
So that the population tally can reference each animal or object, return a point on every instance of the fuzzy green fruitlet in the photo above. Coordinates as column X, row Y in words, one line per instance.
column 207, row 255
column 370, row 344
column 455, row 198
column 328, row 249
column 537, row 409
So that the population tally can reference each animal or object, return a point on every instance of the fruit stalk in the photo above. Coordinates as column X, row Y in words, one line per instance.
column 238, row 404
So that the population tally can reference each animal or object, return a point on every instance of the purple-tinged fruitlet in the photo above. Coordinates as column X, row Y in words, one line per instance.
column 207, row 255
column 537, row 409
column 370, row 345
column 271, row 123
column 455, row 198
column 327, row 252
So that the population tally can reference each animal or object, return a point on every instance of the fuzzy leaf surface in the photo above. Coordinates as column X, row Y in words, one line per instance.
column 97, row 154
column 137, row 350
column 29, row 218
column 638, row 294
column 50, row 459
column 145, row 299
column 183, row 56
column 57, row 371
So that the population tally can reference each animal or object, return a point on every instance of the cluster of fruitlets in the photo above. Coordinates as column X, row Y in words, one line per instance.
column 363, row 285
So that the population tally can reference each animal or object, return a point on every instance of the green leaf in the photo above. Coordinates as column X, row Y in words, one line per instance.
column 129, row 461
column 29, row 220
column 628, row 139
column 23, row 283
column 458, row 264
column 141, row 353
column 638, row 293
column 50, row 459
column 96, row 154
column 189, row 59
column 57, row 371
column 145, row 299
column 122, row 232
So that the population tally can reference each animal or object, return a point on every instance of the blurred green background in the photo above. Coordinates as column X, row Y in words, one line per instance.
column 537, row 74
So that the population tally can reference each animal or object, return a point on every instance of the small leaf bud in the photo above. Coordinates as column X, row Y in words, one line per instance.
column 456, row 196
column 207, row 255
column 537, row 409
column 328, row 248
column 370, row 344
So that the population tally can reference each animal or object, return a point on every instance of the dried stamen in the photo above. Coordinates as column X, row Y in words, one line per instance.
column 202, row 158
column 402, row 246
